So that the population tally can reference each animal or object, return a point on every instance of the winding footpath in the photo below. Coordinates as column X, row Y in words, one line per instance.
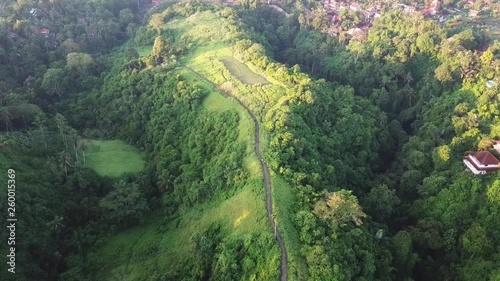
column 267, row 179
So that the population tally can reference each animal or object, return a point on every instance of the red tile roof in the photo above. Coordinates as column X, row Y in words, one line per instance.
column 485, row 158
column 427, row 11
column 354, row 5
column 473, row 13
column 44, row 31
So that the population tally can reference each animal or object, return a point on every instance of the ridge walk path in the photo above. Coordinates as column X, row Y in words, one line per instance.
column 267, row 178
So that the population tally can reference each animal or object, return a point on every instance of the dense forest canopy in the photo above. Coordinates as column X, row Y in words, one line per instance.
column 364, row 137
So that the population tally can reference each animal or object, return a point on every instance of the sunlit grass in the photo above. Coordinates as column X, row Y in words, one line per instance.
column 113, row 158
column 151, row 248
column 283, row 207
column 144, row 50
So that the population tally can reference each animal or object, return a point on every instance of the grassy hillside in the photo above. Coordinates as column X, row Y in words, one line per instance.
column 160, row 244
column 157, row 246
column 215, row 61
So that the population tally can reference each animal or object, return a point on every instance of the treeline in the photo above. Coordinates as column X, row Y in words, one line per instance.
column 63, row 206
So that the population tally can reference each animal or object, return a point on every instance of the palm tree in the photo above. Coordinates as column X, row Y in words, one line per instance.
column 52, row 164
column 6, row 117
column 56, row 226
column 40, row 123
column 65, row 161
column 61, row 125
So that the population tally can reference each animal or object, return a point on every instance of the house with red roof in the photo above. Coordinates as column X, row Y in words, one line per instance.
column 156, row 2
column 354, row 6
column 473, row 13
column 428, row 12
column 410, row 9
column 45, row 32
column 481, row 162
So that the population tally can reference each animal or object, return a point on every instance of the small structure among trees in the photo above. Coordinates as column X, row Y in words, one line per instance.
column 481, row 162
column 473, row 13
column 45, row 32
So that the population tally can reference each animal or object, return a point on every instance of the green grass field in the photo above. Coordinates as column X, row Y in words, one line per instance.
column 242, row 72
column 144, row 51
column 113, row 158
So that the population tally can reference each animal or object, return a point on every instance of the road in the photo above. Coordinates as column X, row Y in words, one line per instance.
column 267, row 179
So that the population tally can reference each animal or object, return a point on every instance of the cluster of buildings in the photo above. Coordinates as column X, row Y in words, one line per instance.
column 333, row 8
column 369, row 13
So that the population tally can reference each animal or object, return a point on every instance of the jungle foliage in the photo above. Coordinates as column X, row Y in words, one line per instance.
column 370, row 135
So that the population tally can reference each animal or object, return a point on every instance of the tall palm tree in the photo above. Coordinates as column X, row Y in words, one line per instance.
column 40, row 123
column 56, row 226
column 6, row 117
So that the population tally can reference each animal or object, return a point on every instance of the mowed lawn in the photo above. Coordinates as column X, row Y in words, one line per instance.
column 113, row 158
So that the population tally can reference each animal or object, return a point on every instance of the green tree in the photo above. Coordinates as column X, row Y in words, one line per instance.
column 380, row 202
column 124, row 205
column 443, row 73
column 53, row 81
column 404, row 257
column 441, row 157
column 126, row 16
column 339, row 209
column 79, row 62
column 476, row 241
column 159, row 48
column 131, row 54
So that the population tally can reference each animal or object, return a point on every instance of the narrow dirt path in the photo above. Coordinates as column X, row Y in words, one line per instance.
column 267, row 179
